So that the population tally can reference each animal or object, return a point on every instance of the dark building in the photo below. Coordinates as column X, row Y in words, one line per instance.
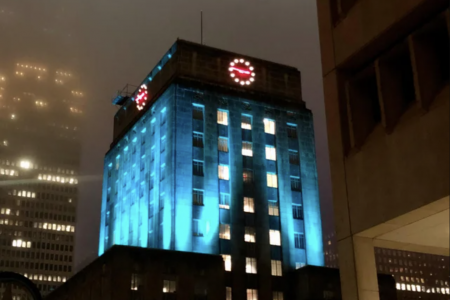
column 214, row 153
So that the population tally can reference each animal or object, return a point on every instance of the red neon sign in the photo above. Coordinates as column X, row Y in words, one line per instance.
column 141, row 97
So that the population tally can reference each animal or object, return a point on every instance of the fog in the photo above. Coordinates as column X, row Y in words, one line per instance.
column 110, row 43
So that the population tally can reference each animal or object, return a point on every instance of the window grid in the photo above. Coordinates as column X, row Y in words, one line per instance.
column 223, row 144
column 247, row 176
column 198, row 167
column 246, row 122
column 276, row 268
column 297, row 211
column 250, row 235
column 224, row 201
column 222, row 117
column 197, row 112
column 197, row 227
column 197, row 197
column 197, row 139
column 272, row 180
column 277, row 296
column 295, row 184
column 169, row 286
column 227, row 261
column 275, row 237
column 274, row 209
column 293, row 157
column 299, row 240
column 269, row 126
column 224, row 173
column 247, row 149
column 249, row 205
column 224, row 232
column 229, row 293
column 292, row 131
column 252, row 294
column 250, row 265
column 271, row 153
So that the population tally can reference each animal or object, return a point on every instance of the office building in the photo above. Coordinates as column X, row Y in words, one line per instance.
column 214, row 153
column 386, row 83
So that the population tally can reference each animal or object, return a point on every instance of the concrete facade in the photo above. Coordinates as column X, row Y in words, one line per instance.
column 386, row 83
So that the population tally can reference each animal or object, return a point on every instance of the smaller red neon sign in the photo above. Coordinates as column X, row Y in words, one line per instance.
column 241, row 71
column 141, row 97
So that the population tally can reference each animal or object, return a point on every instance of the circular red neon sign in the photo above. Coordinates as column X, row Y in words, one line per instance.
column 141, row 97
column 242, row 71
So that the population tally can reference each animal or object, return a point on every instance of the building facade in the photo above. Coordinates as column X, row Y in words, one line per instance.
column 214, row 153
column 386, row 85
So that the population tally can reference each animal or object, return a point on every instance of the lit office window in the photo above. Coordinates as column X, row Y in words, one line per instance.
column 247, row 176
column 246, row 122
column 169, row 286
column 275, row 237
column 272, row 180
column 273, row 208
column 224, row 173
column 228, row 293
column 197, row 139
column 299, row 240
column 197, row 112
column 197, row 197
column 222, row 117
column 271, row 153
column 250, row 235
column 293, row 157
column 276, row 268
column 224, row 231
column 247, row 149
column 227, row 261
column 198, row 168
column 224, row 201
column 277, row 296
column 292, row 131
column 295, row 183
column 197, row 229
column 249, row 205
column 223, row 144
column 297, row 211
column 250, row 265
column 135, row 281
column 252, row 294
column 269, row 126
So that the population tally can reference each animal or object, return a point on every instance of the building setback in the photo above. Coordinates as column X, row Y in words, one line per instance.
column 214, row 153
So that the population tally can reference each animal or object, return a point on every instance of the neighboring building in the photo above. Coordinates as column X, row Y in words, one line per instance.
column 386, row 83
column 132, row 273
column 214, row 153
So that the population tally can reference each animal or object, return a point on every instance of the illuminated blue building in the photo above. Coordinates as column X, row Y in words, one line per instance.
column 214, row 153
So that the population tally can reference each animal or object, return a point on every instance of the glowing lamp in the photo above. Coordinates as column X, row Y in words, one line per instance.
column 242, row 72
column 141, row 97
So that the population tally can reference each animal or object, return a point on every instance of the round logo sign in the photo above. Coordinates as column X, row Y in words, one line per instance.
column 242, row 71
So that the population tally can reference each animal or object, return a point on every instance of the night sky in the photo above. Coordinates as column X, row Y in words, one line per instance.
column 115, row 42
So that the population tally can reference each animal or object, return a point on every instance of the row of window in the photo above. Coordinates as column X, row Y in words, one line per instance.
column 35, row 266
column 41, row 255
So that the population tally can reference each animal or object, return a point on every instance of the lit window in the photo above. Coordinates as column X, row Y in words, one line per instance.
column 293, row 157
column 250, row 235
column 273, row 208
column 223, row 144
column 271, row 153
column 197, row 229
column 198, row 168
column 169, row 286
column 227, row 261
column 277, row 296
column 299, row 240
column 247, row 149
column 292, row 131
column 247, row 176
column 246, row 122
column 135, row 281
column 249, row 205
column 297, row 211
column 224, row 172
column 197, row 139
column 250, row 265
column 269, row 126
column 272, row 180
column 197, row 197
column 228, row 293
column 222, row 117
column 276, row 268
column 275, row 237
column 252, row 294
column 224, row 231
column 295, row 184
column 197, row 112
column 24, row 164
column 224, row 201
column 299, row 265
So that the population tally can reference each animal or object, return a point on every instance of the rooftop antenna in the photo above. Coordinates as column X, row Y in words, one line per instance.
column 201, row 27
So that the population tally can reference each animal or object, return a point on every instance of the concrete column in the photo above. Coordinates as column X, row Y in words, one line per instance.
column 358, row 269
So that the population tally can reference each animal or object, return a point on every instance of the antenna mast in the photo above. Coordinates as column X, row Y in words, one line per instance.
column 201, row 27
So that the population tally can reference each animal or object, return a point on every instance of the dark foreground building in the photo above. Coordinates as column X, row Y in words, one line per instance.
column 214, row 153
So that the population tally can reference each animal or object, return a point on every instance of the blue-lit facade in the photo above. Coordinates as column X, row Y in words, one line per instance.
column 208, row 168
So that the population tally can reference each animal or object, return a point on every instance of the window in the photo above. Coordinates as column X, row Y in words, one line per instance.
column 250, row 235
column 223, row 144
column 222, row 117
column 277, row 295
column 135, row 281
column 269, row 126
column 275, row 237
column 293, row 157
column 163, row 144
column 169, row 286
column 197, row 197
column 224, row 201
column 228, row 293
column 246, row 122
column 248, row 176
column 198, row 168
column 197, row 139
column 299, row 265
column 197, row 229
column 297, row 211
column 163, row 172
column 252, row 294
column 292, row 131
column 152, row 153
column 249, row 205
column 276, row 268
column 271, row 153
column 224, row 231
column 197, row 112
column 295, row 184
column 247, row 149
column 227, row 261
column 224, row 172
column 272, row 180
column 163, row 116
column 299, row 240
column 161, row 200
column 273, row 208
column 250, row 265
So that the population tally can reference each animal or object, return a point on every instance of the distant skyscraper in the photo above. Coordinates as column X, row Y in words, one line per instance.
column 214, row 153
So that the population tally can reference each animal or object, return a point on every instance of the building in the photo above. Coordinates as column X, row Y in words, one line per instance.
column 214, row 153
column 386, row 84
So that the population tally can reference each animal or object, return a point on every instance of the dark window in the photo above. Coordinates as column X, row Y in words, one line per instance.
column 197, row 112
column 248, row 176
column 299, row 239
column 295, row 184
column 197, row 197
column 292, row 131
column 198, row 168
column 197, row 139
column 293, row 157
column 297, row 211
